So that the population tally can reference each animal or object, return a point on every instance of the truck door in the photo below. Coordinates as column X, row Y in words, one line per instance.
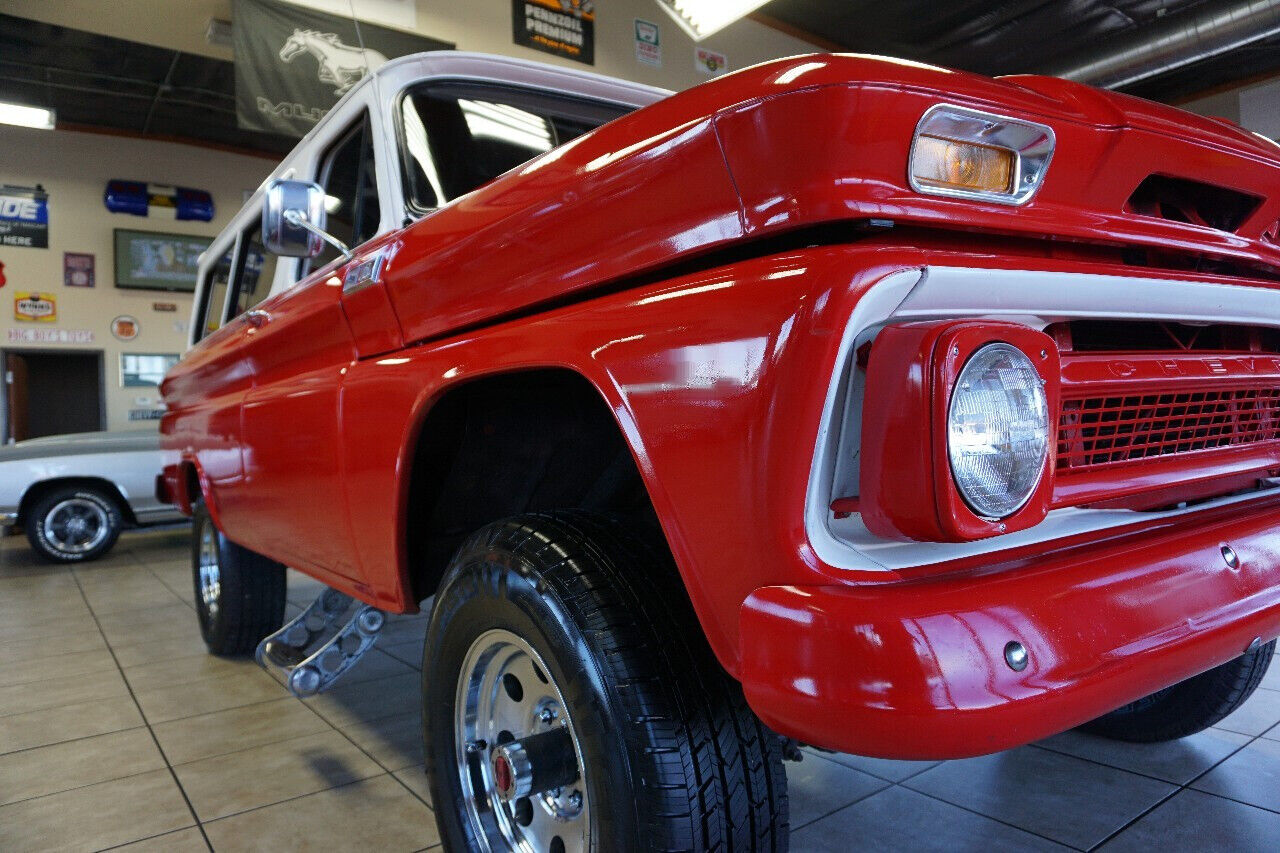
column 206, row 391
column 301, row 348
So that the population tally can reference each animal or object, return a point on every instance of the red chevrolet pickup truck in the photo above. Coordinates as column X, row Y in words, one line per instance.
column 842, row 401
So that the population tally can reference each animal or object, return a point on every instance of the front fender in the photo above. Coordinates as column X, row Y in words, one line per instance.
column 716, row 380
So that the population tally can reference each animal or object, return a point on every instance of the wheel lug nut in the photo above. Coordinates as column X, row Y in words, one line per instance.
column 546, row 715
column 477, row 745
column 575, row 800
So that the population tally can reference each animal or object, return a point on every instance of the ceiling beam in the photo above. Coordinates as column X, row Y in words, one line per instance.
column 796, row 32
column 171, row 138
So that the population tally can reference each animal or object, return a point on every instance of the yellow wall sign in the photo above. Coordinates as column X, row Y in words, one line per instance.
column 35, row 307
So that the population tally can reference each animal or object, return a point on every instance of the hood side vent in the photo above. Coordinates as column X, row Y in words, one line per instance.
column 1182, row 200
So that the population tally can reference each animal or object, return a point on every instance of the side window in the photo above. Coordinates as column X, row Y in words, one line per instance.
column 257, row 271
column 348, row 176
column 215, row 296
column 456, row 137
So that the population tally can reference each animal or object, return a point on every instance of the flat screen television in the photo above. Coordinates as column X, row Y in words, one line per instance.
column 150, row 260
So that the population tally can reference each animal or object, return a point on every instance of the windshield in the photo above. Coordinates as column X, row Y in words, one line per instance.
column 458, row 137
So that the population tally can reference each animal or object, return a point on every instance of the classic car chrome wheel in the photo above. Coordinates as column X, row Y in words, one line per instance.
column 73, row 523
column 209, row 577
column 507, row 700
column 76, row 525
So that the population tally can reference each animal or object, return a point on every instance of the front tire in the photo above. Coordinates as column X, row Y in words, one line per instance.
column 550, row 620
column 74, row 524
column 1189, row 706
column 239, row 593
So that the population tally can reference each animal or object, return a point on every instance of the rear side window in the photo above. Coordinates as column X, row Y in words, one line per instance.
column 257, row 271
column 213, row 303
column 456, row 137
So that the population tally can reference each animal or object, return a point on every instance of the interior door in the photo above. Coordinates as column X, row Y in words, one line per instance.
column 16, row 397
column 54, row 393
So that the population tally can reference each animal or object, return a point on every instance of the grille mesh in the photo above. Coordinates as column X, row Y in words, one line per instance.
column 1097, row 431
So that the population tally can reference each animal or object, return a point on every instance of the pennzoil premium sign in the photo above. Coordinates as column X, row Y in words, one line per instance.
column 559, row 27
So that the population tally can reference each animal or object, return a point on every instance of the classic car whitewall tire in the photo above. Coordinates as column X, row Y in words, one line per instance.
column 557, row 626
column 73, row 524
column 1189, row 706
column 239, row 594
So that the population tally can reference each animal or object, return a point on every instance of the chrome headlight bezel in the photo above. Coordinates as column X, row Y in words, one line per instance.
column 1021, row 484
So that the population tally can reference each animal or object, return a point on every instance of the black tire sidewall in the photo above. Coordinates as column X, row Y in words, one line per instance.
column 1189, row 706
column 44, row 505
column 211, row 627
column 251, row 592
column 502, row 590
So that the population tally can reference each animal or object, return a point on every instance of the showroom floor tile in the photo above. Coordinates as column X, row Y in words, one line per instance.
column 117, row 729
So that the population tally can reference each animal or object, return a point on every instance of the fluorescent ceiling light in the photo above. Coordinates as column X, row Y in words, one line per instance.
column 701, row 18
column 24, row 116
column 509, row 124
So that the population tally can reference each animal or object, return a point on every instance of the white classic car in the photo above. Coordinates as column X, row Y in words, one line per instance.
column 73, row 494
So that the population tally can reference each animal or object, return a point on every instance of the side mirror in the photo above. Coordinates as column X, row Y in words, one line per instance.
column 293, row 220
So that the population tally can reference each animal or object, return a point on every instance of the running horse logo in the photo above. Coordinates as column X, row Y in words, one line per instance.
column 340, row 65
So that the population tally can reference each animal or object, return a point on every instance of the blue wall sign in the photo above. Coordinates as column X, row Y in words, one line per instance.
column 24, row 217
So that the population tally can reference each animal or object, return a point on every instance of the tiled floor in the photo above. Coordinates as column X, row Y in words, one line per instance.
column 117, row 729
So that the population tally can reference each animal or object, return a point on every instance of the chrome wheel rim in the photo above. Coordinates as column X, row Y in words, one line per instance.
column 210, row 576
column 505, row 693
column 76, row 526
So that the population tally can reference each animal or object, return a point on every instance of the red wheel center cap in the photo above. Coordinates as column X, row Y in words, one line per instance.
column 503, row 775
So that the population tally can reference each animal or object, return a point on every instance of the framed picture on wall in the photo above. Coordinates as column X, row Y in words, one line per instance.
column 145, row 370
column 150, row 260
column 77, row 269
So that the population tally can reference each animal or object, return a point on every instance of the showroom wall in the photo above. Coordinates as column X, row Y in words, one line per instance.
column 479, row 25
column 74, row 169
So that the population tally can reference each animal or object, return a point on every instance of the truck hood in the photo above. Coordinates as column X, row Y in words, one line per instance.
column 793, row 144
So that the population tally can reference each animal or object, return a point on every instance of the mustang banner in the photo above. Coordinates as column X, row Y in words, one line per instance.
column 293, row 64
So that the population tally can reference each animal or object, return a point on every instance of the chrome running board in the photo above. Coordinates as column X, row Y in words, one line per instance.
column 311, row 664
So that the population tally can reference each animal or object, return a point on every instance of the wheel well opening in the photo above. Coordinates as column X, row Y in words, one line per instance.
column 191, row 484
column 107, row 487
column 504, row 445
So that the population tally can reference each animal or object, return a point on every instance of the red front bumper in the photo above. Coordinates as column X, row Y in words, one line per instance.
column 916, row 669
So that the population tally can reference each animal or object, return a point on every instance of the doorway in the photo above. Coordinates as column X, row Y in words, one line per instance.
column 52, row 393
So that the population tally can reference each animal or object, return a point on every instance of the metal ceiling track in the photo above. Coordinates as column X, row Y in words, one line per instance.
column 1179, row 40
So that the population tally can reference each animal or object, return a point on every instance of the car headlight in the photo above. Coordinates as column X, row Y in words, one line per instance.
column 997, row 430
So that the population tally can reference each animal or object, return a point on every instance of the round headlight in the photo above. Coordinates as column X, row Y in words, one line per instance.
column 997, row 430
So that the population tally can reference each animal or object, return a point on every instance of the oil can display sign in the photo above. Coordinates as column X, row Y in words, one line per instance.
column 560, row 27
column 24, row 217
column 293, row 64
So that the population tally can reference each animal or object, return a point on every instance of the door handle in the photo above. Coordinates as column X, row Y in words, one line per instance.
column 257, row 318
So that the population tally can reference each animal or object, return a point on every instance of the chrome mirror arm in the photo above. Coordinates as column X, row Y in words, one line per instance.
column 297, row 220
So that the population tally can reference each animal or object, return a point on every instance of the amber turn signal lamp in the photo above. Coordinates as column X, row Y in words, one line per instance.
column 971, row 154
column 938, row 162
column 935, row 449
